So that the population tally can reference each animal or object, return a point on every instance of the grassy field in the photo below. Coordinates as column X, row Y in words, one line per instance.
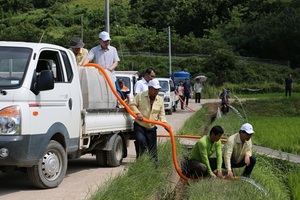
column 275, row 123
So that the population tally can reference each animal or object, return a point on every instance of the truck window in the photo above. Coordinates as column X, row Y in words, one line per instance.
column 68, row 66
column 53, row 58
column 13, row 65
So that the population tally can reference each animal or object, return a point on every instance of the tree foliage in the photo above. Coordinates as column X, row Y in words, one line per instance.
column 221, row 28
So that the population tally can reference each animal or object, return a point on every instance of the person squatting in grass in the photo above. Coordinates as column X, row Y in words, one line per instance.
column 148, row 105
column 237, row 151
column 200, row 163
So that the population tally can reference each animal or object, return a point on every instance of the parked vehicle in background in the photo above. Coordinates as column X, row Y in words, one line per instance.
column 167, row 91
column 180, row 76
column 130, row 78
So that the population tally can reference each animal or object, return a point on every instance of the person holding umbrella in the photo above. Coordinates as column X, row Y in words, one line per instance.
column 197, row 89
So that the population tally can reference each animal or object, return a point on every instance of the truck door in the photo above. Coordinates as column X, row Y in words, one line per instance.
column 58, row 108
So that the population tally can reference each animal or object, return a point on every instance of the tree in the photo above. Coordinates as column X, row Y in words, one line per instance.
column 221, row 63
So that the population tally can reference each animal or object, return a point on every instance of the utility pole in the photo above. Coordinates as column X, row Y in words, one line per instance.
column 81, row 19
column 170, row 62
column 107, row 16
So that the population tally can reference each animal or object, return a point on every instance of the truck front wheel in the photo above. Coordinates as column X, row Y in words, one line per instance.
column 115, row 156
column 51, row 168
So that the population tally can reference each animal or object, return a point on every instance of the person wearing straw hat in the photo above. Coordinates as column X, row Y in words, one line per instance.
column 76, row 45
column 237, row 151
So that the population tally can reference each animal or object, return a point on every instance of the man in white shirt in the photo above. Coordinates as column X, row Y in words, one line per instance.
column 142, row 85
column 104, row 55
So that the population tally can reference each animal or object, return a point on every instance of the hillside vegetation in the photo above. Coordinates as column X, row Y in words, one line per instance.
column 222, row 30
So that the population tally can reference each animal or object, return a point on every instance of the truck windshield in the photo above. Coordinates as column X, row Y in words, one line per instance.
column 13, row 64
column 164, row 86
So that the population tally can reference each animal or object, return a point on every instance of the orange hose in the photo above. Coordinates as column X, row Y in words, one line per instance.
column 215, row 112
column 166, row 126
column 184, row 103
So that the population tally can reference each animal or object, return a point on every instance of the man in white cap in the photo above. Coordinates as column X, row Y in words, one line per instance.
column 76, row 45
column 104, row 55
column 148, row 105
column 237, row 151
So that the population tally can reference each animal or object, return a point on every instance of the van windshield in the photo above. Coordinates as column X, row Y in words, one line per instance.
column 13, row 64
column 164, row 86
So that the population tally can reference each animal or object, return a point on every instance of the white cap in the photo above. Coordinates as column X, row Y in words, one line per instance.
column 247, row 128
column 154, row 83
column 104, row 36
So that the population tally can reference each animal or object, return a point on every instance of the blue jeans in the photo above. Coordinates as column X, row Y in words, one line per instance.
column 146, row 140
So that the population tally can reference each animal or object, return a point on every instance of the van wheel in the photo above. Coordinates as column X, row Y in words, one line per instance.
column 115, row 156
column 168, row 112
column 101, row 158
column 51, row 168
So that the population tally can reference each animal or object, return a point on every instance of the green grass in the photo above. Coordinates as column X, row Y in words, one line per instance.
column 265, row 95
column 142, row 180
column 280, row 133
column 263, row 185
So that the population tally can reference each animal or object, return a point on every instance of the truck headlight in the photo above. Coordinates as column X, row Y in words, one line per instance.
column 10, row 120
column 167, row 99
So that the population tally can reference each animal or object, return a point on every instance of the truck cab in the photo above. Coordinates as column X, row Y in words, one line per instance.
column 167, row 92
column 130, row 78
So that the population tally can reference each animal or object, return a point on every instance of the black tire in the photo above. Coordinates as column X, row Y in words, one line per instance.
column 51, row 168
column 101, row 158
column 115, row 156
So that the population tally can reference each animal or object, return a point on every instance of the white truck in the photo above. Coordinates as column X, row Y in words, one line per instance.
column 167, row 92
column 51, row 110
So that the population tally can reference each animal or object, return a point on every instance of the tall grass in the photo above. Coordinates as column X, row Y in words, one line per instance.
column 293, row 178
column 280, row 133
column 142, row 180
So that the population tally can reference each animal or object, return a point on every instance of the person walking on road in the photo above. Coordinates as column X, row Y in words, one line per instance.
column 180, row 90
column 197, row 90
column 200, row 163
column 150, row 106
column 187, row 91
column 288, row 85
column 237, row 151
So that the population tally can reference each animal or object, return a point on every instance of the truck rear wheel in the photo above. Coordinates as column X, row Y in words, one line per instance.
column 51, row 168
column 115, row 156
column 101, row 158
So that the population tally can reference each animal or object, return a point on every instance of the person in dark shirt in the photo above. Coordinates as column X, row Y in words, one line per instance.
column 224, row 101
column 187, row 90
column 288, row 85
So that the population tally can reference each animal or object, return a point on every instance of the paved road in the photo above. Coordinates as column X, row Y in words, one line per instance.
column 83, row 175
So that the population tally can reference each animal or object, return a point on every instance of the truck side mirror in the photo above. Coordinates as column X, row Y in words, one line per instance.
column 43, row 81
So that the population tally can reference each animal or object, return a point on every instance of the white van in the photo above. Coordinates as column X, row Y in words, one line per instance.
column 130, row 78
column 167, row 91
